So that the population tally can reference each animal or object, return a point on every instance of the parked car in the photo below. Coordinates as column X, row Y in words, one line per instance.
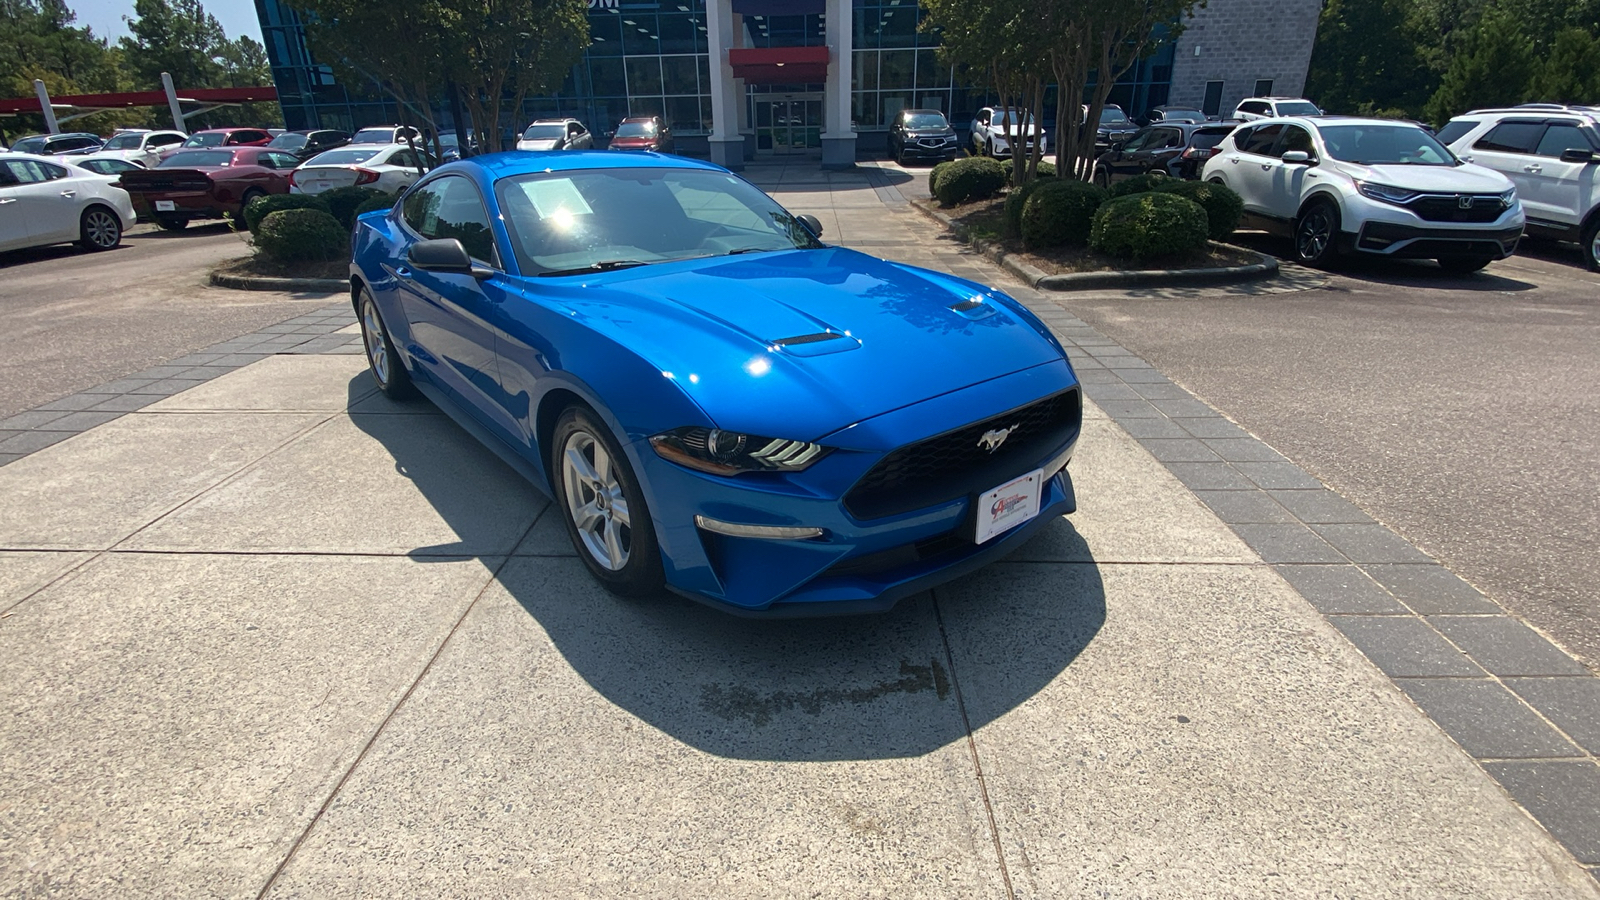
column 387, row 134
column 1552, row 154
column 721, row 404
column 1371, row 186
column 922, row 134
column 44, row 202
column 642, row 133
column 556, row 134
column 225, row 137
column 450, row 147
column 143, row 147
column 309, row 142
column 390, row 168
column 109, row 165
column 207, row 184
column 1114, row 126
column 1178, row 150
column 75, row 143
column 1251, row 109
column 1169, row 115
column 995, row 132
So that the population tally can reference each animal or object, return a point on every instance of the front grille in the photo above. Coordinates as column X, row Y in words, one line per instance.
column 1484, row 208
column 955, row 464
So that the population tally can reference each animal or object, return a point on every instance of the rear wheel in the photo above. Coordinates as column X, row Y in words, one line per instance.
column 1316, row 235
column 99, row 229
column 988, row 148
column 1103, row 179
column 604, row 509
column 382, row 360
column 1462, row 265
column 167, row 223
column 1591, row 243
column 238, row 217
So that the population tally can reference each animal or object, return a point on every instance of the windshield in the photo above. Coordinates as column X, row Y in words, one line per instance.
column 449, row 142
column 545, row 132
column 190, row 158
column 1298, row 108
column 1009, row 117
column 205, row 139
column 374, row 136
column 1112, row 116
column 923, row 121
column 124, row 142
column 626, row 129
column 1183, row 115
column 343, row 157
column 288, row 142
column 591, row 220
column 1375, row 144
column 29, row 145
column 1206, row 138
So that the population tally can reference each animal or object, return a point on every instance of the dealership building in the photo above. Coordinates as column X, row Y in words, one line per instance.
column 744, row 79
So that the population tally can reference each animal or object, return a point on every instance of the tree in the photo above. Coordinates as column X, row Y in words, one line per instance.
column 512, row 48
column 1366, row 59
column 1491, row 68
column 39, row 41
column 174, row 36
column 400, row 50
column 1571, row 70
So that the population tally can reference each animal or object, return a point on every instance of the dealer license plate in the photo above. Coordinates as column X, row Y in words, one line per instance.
column 165, row 206
column 1009, row 505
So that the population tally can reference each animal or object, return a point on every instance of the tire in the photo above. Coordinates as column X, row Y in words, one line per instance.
column 99, row 229
column 1316, row 235
column 1103, row 179
column 595, row 485
column 238, row 217
column 1464, row 265
column 382, row 359
column 1591, row 243
column 988, row 149
column 170, row 224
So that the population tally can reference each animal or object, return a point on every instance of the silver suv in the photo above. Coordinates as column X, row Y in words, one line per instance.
column 1550, row 153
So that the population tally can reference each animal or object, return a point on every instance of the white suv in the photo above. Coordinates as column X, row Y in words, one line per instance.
column 1372, row 186
column 1550, row 153
column 1252, row 109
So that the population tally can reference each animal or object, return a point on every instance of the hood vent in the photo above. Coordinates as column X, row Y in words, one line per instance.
column 818, row 344
column 974, row 308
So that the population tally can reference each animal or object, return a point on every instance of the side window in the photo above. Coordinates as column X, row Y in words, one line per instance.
column 165, row 140
column 1295, row 138
column 1170, row 138
column 1140, row 140
column 1241, row 136
column 451, row 208
column 1511, row 137
column 403, row 158
column 284, row 160
column 1559, row 137
column 28, row 171
column 1454, row 130
column 1261, row 140
column 1256, row 107
column 7, row 177
column 574, row 129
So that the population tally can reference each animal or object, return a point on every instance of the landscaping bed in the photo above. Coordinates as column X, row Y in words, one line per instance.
column 259, row 266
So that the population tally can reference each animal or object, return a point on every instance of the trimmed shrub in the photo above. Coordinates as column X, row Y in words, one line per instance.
column 1060, row 212
column 373, row 204
column 933, row 177
column 1223, row 207
column 261, row 207
column 974, row 178
column 1148, row 226
column 343, row 202
column 1046, row 169
column 302, row 235
column 1014, row 203
column 1140, row 184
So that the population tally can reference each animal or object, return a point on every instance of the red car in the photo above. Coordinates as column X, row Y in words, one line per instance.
column 642, row 133
column 206, row 184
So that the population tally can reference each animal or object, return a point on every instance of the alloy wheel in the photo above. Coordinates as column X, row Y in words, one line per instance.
column 1315, row 232
column 377, row 348
column 595, row 501
column 1594, row 246
column 101, row 229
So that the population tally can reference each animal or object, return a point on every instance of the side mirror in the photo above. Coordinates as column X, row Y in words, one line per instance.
column 1297, row 157
column 445, row 255
column 811, row 224
column 1116, row 147
column 1579, row 156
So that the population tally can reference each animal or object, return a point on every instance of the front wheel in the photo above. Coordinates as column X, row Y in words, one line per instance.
column 988, row 149
column 1463, row 265
column 99, row 229
column 1103, row 179
column 1591, row 244
column 604, row 509
column 382, row 360
column 1316, row 235
column 249, row 197
column 167, row 223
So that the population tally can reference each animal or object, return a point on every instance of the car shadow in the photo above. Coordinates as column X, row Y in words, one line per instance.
column 797, row 690
column 1423, row 273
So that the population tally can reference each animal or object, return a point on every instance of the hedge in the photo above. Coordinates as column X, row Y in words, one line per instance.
column 296, row 235
column 1148, row 226
column 1223, row 207
column 933, row 177
column 1140, row 184
column 974, row 178
column 1015, row 201
column 261, row 207
column 1046, row 169
column 343, row 202
column 373, row 204
column 1060, row 212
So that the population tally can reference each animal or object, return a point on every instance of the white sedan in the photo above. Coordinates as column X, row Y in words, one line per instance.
column 386, row 167
column 147, row 148
column 43, row 202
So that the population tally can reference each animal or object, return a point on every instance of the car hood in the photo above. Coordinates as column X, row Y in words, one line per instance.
column 536, row 145
column 633, row 142
column 741, row 335
column 1465, row 179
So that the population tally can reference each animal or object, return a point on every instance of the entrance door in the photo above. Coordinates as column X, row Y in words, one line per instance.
column 786, row 125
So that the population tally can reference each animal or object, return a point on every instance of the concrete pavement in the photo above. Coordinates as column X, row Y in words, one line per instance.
column 277, row 636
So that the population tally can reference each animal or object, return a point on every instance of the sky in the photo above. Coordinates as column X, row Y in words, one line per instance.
column 238, row 17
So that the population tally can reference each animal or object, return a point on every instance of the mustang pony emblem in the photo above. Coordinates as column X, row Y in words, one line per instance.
column 992, row 440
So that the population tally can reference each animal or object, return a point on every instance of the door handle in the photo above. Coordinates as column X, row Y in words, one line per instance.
column 5, row 200
column 69, row 194
column 403, row 272
column 1533, row 169
column 1466, row 159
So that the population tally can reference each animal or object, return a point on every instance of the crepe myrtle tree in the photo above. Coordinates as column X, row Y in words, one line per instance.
column 508, row 49
column 397, row 46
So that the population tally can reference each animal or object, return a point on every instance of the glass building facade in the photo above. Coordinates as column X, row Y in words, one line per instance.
column 651, row 57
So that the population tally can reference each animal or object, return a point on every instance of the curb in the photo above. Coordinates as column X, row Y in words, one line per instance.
column 266, row 283
column 1264, row 267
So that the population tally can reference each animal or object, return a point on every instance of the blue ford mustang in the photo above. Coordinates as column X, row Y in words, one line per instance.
column 718, row 402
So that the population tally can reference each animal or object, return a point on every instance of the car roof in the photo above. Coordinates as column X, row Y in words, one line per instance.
column 925, row 112
column 634, row 119
column 565, row 120
column 519, row 162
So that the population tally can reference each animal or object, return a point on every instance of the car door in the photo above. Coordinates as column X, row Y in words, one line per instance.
column 1559, row 188
column 1163, row 148
column 1250, row 167
column 1123, row 163
column 452, row 315
column 1286, row 182
column 980, row 129
column 1508, row 149
column 46, row 198
column 404, row 175
column 14, row 228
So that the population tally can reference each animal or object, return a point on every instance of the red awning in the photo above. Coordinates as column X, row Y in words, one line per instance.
column 780, row 65
column 143, row 98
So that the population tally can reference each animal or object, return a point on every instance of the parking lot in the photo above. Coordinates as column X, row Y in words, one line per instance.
column 269, row 634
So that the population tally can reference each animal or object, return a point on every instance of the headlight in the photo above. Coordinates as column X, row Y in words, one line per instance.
column 1508, row 198
column 731, row 453
column 1385, row 193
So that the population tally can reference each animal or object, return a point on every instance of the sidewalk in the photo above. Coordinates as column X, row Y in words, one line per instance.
column 277, row 636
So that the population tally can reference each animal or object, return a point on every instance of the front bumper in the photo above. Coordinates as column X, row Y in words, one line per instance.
column 920, row 150
column 1002, row 146
column 1398, row 232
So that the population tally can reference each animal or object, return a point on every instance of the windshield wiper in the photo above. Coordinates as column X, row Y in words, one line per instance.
column 607, row 265
column 752, row 250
